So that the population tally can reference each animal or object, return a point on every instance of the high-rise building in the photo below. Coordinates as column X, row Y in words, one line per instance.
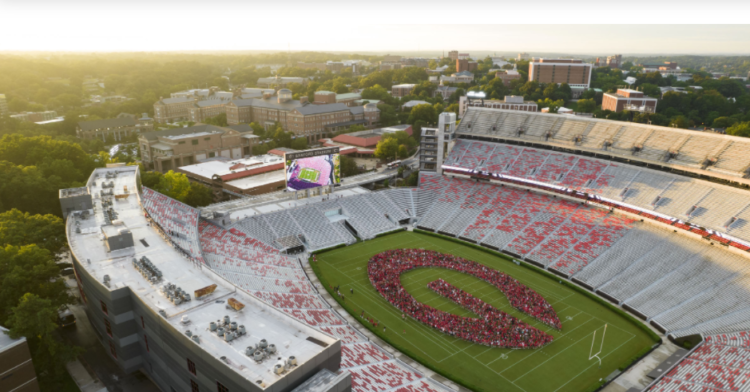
column 432, row 150
column 614, row 61
column 631, row 100
column 523, row 56
column 466, row 65
column 453, row 55
column 575, row 73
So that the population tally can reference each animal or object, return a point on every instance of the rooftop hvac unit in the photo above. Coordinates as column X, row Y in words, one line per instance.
column 185, row 320
column 263, row 344
column 196, row 339
column 258, row 356
column 292, row 360
column 189, row 333
column 271, row 348
column 278, row 369
column 212, row 326
column 220, row 331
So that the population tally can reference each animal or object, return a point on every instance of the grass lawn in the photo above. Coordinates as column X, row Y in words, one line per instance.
column 562, row 365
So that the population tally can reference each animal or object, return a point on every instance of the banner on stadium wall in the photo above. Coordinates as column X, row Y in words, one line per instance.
column 314, row 168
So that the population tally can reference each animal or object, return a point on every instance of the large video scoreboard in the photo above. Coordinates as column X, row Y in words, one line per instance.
column 312, row 168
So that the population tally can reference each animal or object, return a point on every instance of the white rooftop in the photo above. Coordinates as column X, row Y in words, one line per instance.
column 189, row 135
column 258, row 180
column 7, row 342
column 219, row 167
column 261, row 321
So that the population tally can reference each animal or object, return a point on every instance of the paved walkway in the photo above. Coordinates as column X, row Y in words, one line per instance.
column 83, row 379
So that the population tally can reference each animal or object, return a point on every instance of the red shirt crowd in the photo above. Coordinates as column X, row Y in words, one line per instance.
column 496, row 328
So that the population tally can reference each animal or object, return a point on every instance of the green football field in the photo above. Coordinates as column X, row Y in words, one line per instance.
column 309, row 175
column 563, row 365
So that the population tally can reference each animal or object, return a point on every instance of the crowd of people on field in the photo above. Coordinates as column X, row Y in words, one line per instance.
column 495, row 328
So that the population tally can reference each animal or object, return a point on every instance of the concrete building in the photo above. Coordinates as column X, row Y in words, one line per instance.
column 363, row 143
column 3, row 105
column 523, row 56
column 280, row 81
column 411, row 104
column 170, row 331
column 349, row 99
column 114, row 128
column 35, row 116
column 631, row 100
column 453, row 55
column 458, row 77
column 201, row 110
column 390, row 66
column 324, row 97
column 575, row 73
column 507, row 76
column 167, row 150
column 510, row 102
column 391, row 59
column 466, row 65
column 402, row 90
column 17, row 372
column 245, row 176
column 435, row 142
column 308, row 120
column 614, row 61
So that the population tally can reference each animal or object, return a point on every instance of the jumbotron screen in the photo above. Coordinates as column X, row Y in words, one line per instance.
column 312, row 168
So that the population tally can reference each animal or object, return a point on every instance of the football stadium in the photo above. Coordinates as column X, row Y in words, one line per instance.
column 545, row 253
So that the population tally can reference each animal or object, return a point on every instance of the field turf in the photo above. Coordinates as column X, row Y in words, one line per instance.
column 309, row 175
column 562, row 365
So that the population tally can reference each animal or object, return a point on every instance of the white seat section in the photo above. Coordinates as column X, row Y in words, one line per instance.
column 647, row 186
column 696, row 150
column 646, row 270
column 734, row 158
column 569, row 130
column 658, row 145
column 711, row 304
column 627, row 138
column 718, row 207
column 599, row 134
column 633, row 245
column 612, row 183
column 679, row 199
column 701, row 273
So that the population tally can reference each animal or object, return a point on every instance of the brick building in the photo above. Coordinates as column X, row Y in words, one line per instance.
column 626, row 99
column 458, row 77
column 510, row 102
column 302, row 118
column 335, row 66
column 508, row 76
column 324, row 97
column 466, row 65
column 115, row 128
column 201, row 110
column 402, row 90
column 246, row 176
column 389, row 66
column 167, row 150
column 453, row 55
column 575, row 73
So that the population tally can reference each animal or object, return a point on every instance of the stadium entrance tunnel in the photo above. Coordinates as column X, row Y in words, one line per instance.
column 493, row 328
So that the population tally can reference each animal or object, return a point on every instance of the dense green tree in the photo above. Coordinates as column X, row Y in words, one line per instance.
column 35, row 319
column 29, row 269
column 388, row 115
column 651, row 90
column 198, row 195
column 723, row 122
column 552, row 105
column 586, row 105
column 423, row 112
column 174, row 185
column 349, row 166
column 299, row 143
column 740, row 129
column 19, row 229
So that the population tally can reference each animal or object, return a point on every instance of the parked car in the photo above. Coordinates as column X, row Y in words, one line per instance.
column 65, row 317
column 67, row 272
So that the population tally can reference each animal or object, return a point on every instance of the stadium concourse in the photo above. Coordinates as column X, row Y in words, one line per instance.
column 669, row 248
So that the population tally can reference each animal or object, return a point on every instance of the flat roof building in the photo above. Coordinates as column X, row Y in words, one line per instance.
column 159, row 308
column 114, row 128
column 508, row 76
column 16, row 369
column 510, row 102
column 402, row 90
column 631, row 100
column 575, row 73
column 245, row 176
column 35, row 116
column 280, row 81
column 363, row 143
column 169, row 149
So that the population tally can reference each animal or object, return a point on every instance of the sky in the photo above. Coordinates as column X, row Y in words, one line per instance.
column 384, row 26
